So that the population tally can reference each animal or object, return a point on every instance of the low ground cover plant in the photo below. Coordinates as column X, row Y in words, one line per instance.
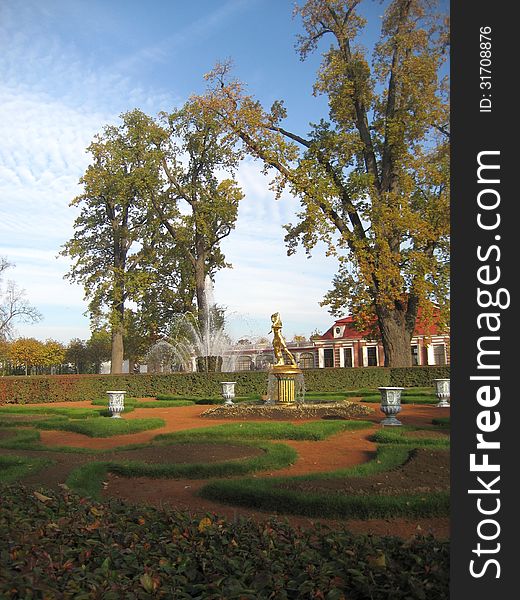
column 114, row 550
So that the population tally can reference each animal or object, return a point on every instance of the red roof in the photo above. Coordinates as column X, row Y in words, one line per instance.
column 351, row 333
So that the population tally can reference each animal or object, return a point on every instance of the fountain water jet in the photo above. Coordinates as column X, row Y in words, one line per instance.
column 199, row 342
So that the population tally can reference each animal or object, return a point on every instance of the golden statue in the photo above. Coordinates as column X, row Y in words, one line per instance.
column 279, row 345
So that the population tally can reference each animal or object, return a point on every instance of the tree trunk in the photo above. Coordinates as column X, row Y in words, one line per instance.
column 200, row 287
column 397, row 327
column 116, row 361
column 117, row 355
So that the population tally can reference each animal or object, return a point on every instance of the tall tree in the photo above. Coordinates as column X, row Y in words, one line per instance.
column 98, row 349
column 112, row 219
column 26, row 352
column 14, row 305
column 373, row 179
column 199, row 207
column 76, row 354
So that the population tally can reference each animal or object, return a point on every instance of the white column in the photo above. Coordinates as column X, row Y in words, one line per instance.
column 430, row 357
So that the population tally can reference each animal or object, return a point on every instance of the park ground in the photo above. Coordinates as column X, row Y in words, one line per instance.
column 426, row 472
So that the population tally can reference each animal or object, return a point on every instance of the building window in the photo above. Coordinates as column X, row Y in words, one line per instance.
column 328, row 357
column 348, row 357
column 263, row 361
column 243, row 363
column 306, row 360
column 415, row 355
column 439, row 354
column 372, row 356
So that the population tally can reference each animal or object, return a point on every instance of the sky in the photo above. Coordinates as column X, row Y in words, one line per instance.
column 70, row 67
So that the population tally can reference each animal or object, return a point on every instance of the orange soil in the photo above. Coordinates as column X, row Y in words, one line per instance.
column 342, row 450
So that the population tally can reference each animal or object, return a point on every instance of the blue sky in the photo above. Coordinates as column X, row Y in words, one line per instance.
column 69, row 67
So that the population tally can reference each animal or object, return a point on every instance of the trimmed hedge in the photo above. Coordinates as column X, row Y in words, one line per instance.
column 60, row 388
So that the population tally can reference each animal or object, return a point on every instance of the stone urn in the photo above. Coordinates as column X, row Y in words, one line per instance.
column 228, row 392
column 442, row 390
column 116, row 403
column 390, row 404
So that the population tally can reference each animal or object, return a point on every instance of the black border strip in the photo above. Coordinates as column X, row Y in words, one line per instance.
column 475, row 131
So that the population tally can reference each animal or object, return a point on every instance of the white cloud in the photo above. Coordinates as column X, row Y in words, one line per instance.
column 54, row 101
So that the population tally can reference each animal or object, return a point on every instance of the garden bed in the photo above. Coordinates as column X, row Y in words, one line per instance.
column 426, row 471
column 343, row 410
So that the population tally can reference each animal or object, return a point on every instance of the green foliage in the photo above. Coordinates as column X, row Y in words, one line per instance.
column 417, row 376
column 59, row 388
column 112, row 549
column 111, row 221
column 373, row 176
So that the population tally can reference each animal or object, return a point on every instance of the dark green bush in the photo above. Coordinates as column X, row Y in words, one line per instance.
column 63, row 546
column 59, row 388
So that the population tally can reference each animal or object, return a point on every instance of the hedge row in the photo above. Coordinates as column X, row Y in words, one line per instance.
column 59, row 388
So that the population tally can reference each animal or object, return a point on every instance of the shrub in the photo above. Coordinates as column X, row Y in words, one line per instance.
column 114, row 550
column 59, row 388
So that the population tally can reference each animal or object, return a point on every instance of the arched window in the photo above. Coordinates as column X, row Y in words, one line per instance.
column 243, row 363
column 306, row 360
column 263, row 361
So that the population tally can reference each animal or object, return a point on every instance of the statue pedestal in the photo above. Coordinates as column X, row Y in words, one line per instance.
column 285, row 382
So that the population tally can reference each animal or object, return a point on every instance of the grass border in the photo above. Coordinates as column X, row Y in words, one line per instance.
column 13, row 468
column 396, row 436
column 87, row 479
column 262, row 494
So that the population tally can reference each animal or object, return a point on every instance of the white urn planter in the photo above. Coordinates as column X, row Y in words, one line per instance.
column 390, row 404
column 442, row 390
column 228, row 392
column 116, row 403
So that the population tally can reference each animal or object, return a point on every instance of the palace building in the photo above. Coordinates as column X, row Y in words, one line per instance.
column 344, row 346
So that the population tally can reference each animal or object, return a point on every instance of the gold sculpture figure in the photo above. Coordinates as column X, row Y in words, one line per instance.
column 279, row 345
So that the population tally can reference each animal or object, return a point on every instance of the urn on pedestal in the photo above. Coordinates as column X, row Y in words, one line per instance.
column 442, row 390
column 116, row 403
column 390, row 404
column 228, row 392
